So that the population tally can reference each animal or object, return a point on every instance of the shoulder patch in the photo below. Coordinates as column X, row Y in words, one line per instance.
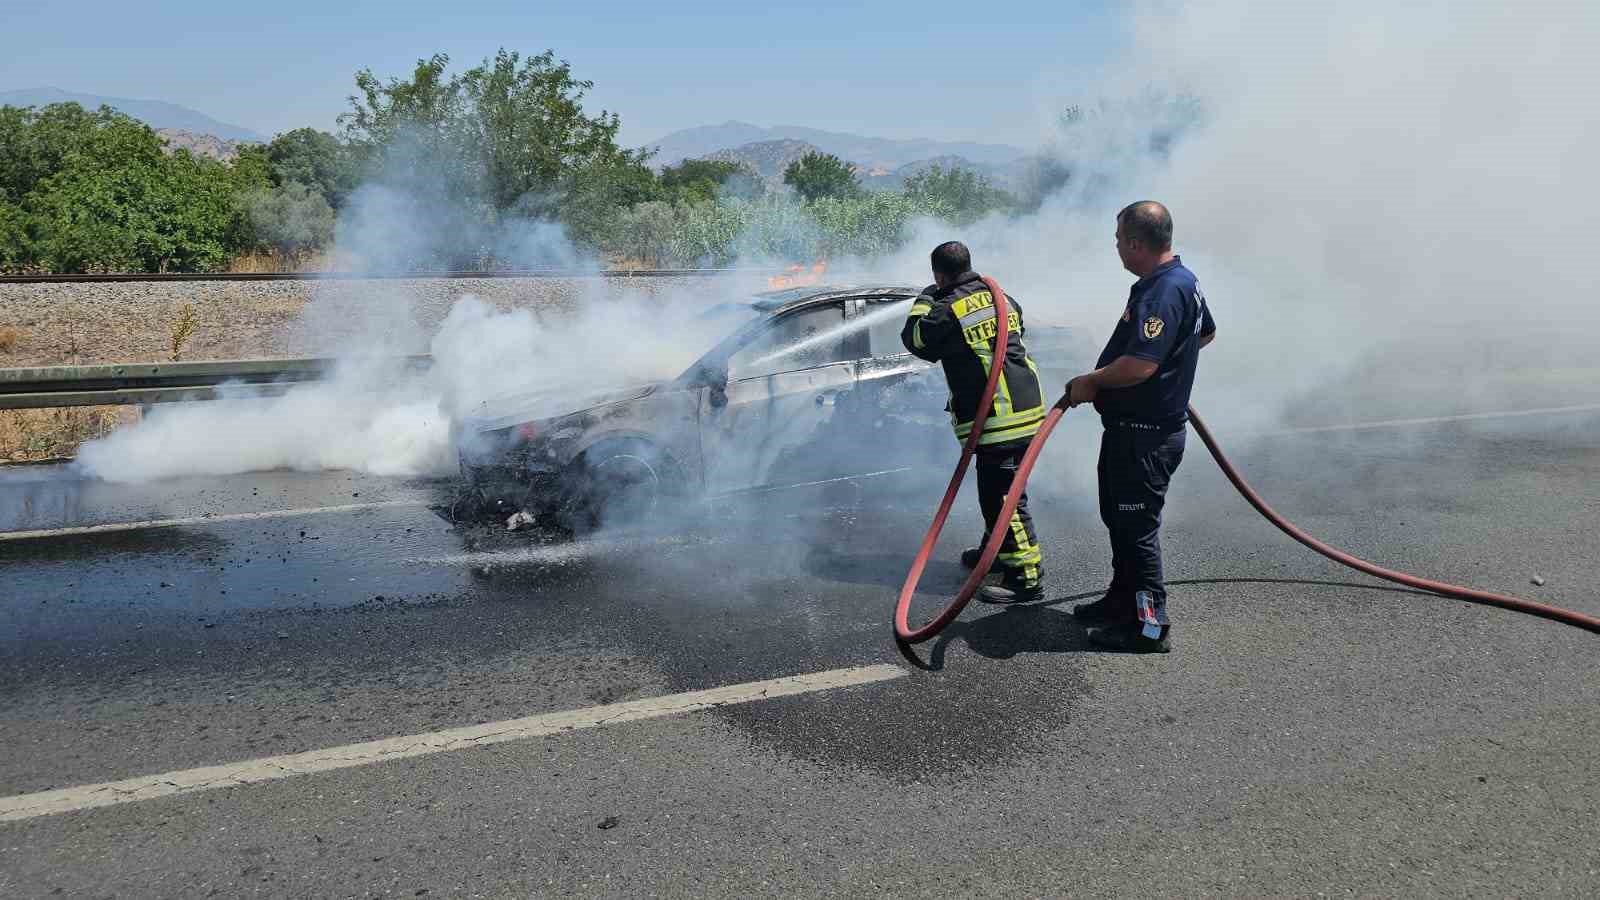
column 1153, row 327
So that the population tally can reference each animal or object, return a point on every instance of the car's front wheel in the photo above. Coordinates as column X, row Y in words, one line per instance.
column 619, row 483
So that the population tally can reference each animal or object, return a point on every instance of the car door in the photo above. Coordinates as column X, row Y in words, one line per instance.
column 899, row 399
column 784, row 388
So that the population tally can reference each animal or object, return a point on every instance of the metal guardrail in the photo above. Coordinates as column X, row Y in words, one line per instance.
column 146, row 383
column 119, row 277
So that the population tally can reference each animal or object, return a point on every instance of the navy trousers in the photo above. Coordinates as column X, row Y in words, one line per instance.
column 1136, row 465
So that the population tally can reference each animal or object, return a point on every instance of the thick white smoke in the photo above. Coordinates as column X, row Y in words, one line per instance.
column 1383, row 201
column 1394, row 194
column 380, row 418
column 383, row 419
column 371, row 418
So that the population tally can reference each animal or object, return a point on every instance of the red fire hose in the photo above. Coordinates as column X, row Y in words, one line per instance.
column 904, row 632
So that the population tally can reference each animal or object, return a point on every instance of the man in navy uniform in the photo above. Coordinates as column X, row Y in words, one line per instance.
column 1140, row 386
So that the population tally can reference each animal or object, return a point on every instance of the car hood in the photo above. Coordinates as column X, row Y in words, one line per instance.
column 518, row 408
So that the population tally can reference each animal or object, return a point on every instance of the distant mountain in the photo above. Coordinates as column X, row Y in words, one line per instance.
column 767, row 159
column 869, row 153
column 155, row 113
column 999, row 175
column 199, row 144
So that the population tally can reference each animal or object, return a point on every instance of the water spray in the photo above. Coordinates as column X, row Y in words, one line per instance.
column 850, row 326
column 991, row 548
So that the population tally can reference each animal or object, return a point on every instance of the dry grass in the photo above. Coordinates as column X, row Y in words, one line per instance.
column 35, row 434
column 274, row 261
column 10, row 339
column 183, row 327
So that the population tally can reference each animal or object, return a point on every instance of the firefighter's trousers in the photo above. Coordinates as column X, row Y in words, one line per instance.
column 997, row 467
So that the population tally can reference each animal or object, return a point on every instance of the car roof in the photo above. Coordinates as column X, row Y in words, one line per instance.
column 790, row 299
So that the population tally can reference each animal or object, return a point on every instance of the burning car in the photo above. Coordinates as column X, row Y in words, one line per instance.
column 811, row 385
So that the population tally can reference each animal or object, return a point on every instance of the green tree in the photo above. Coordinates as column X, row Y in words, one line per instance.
column 956, row 195
column 818, row 175
column 869, row 224
column 527, row 117
column 15, row 254
column 592, row 197
column 506, row 140
column 645, row 234
column 94, row 210
column 291, row 218
column 117, row 202
column 252, row 168
column 699, row 180
column 35, row 142
column 316, row 159
column 84, row 190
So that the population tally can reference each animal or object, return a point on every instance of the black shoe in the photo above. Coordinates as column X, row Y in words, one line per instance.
column 971, row 556
column 1012, row 589
column 1108, row 610
column 1129, row 638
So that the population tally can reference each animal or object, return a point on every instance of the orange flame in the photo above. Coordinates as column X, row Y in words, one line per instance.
column 798, row 276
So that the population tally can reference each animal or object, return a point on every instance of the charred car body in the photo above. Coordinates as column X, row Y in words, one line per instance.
column 809, row 386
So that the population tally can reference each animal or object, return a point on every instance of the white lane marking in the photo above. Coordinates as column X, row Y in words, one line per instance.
column 1438, row 420
column 271, row 768
column 204, row 520
column 806, row 484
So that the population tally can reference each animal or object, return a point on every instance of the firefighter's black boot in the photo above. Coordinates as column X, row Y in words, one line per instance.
column 970, row 557
column 1013, row 588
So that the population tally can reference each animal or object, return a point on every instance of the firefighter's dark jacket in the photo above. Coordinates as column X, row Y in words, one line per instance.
column 955, row 327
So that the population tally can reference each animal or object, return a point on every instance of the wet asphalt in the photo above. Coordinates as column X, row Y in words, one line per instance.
column 1312, row 733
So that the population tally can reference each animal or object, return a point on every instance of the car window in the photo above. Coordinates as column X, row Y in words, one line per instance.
column 800, row 340
column 883, row 335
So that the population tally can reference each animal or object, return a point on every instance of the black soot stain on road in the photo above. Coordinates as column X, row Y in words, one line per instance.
column 726, row 601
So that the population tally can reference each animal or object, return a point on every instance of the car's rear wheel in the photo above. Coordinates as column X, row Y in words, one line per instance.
column 619, row 484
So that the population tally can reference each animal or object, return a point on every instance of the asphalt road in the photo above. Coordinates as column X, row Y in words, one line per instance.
column 1312, row 732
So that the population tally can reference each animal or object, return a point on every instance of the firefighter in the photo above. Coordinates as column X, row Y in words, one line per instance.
column 953, row 323
column 1140, row 387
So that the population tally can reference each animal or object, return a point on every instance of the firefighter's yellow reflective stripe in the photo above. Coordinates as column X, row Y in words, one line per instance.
column 986, row 361
column 1002, row 396
column 972, row 303
column 1015, row 420
column 983, row 333
column 1014, row 432
column 1018, row 433
column 1008, row 421
column 1027, row 554
column 965, row 428
column 1022, row 559
column 1025, row 551
column 918, row 310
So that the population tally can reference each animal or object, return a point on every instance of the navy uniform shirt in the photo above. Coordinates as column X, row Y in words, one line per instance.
column 1165, row 318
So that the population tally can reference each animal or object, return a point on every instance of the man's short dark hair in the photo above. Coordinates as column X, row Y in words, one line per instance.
column 951, row 258
column 1147, row 222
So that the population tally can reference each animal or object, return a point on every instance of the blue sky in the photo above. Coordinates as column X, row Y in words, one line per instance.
column 882, row 69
